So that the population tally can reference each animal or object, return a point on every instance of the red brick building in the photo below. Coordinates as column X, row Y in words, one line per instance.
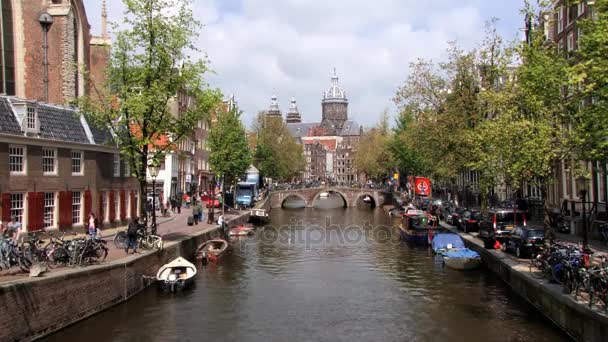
column 55, row 168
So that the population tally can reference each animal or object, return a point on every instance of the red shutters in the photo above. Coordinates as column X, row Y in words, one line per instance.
column 35, row 211
column 88, row 204
column 133, row 205
column 6, row 207
column 111, row 200
column 65, row 209
column 123, row 206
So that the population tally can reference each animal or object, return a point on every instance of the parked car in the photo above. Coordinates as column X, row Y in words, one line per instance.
column 497, row 224
column 468, row 221
column 525, row 241
column 452, row 217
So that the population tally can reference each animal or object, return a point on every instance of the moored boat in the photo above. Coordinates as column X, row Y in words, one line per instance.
column 176, row 275
column 211, row 250
column 418, row 228
column 462, row 259
column 241, row 230
column 444, row 242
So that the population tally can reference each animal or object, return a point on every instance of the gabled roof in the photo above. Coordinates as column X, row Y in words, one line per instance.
column 55, row 123
column 8, row 121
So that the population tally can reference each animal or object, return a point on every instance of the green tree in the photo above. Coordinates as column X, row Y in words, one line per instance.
column 150, row 64
column 229, row 155
column 404, row 154
column 277, row 154
column 373, row 156
column 590, row 75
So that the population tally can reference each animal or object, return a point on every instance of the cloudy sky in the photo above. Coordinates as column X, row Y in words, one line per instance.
column 289, row 47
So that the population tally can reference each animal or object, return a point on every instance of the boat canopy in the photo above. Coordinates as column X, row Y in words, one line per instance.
column 442, row 240
column 461, row 253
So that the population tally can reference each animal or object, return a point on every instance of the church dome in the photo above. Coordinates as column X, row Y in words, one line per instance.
column 335, row 93
column 293, row 115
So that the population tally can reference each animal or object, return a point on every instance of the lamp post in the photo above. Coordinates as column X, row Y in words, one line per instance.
column 153, row 168
column 581, row 183
column 45, row 20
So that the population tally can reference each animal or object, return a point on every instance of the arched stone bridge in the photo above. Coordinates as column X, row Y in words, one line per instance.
column 351, row 196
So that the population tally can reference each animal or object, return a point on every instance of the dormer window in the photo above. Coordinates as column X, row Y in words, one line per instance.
column 31, row 118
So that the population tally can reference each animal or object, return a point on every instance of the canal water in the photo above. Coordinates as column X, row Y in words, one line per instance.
column 324, row 275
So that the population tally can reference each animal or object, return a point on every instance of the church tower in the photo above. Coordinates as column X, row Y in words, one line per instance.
column 274, row 111
column 334, row 107
column 293, row 115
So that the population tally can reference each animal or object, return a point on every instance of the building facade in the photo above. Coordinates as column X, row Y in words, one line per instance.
column 55, row 168
column 329, row 145
column 561, row 27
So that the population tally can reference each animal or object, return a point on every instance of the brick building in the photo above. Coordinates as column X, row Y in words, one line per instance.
column 55, row 168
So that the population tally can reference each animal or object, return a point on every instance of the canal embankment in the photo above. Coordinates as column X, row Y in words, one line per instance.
column 35, row 307
column 574, row 317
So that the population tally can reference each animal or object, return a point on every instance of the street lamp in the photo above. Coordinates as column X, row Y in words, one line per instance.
column 153, row 168
column 582, row 183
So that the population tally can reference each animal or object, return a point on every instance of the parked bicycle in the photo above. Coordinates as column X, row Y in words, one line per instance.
column 146, row 239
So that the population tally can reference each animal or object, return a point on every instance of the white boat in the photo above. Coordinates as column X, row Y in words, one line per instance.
column 176, row 275
column 241, row 231
column 211, row 250
column 324, row 195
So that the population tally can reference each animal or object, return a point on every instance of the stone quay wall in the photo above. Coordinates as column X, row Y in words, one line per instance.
column 575, row 318
column 35, row 307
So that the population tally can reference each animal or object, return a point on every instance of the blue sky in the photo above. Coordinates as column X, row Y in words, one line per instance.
column 258, row 48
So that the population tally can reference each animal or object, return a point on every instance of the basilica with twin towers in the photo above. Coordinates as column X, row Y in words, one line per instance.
column 329, row 145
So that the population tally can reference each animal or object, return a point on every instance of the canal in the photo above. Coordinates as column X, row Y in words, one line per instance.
column 324, row 275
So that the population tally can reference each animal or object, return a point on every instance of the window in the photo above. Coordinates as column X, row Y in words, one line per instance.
column 76, row 162
column 579, row 33
column 570, row 41
column 49, row 161
column 76, row 207
column 560, row 19
column 104, row 206
column 127, row 168
column 117, row 205
column 560, row 46
column 17, row 206
column 116, row 165
column 16, row 159
column 7, row 50
column 49, row 209
column 31, row 118
column 580, row 8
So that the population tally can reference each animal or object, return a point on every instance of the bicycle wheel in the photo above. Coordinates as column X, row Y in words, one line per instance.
column 25, row 263
column 101, row 253
column 120, row 240
column 158, row 243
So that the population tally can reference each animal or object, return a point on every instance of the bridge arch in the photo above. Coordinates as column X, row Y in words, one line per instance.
column 362, row 198
column 294, row 195
column 316, row 196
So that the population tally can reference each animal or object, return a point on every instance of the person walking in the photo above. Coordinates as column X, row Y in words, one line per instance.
column 13, row 229
column 203, row 206
column 92, row 226
column 179, row 205
column 132, row 235
column 195, row 213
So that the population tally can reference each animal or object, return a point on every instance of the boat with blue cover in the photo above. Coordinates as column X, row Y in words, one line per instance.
column 454, row 252
column 443, row 242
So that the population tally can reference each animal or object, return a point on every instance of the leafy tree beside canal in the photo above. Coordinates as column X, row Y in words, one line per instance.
column 150, row 65
column 229, row 149
column 276, row 153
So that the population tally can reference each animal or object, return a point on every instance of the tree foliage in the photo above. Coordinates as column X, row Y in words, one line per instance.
column 229, row 155
column 150, row 64
column 373, row 156
column 277, row 155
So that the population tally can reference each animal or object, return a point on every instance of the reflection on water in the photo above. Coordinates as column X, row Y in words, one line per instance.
column 324, row 275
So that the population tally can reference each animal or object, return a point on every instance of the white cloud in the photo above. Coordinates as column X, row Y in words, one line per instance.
column 288, row 47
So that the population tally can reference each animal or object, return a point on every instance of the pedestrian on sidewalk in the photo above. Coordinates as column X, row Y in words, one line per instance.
column 195, row 214
column 203, row 206
column 92, row 226
column 210, row 215
column 179, row 205
column 173, row 204
column 132, row 235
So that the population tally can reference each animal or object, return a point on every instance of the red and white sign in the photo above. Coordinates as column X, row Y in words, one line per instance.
column 422, row 186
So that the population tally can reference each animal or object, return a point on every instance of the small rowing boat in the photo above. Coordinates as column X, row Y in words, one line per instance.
column 462, row 259
column 211, row 250
column 176, row 275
